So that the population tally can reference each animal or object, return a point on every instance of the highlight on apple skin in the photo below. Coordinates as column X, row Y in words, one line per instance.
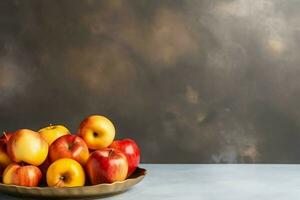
column 97, row 131
column 106, row 166
column 69, row 146
column 28, row 175
column 65, row 172
column 27, row 146
column 131, row 150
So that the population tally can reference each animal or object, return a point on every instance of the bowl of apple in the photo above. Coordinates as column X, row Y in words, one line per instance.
column 53, row 163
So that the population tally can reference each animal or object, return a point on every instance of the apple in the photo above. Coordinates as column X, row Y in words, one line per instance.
column 44, row 167
column 69, row 146
column 15, row 174
column 97, row 131
column 106, row 166
column 52, row 132
column 27, row 146
column 65, row 172
column 4, row 158
column 131, row 150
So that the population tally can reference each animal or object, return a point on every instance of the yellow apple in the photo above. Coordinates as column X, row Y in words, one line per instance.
column 52, row 132
column 65, row 172
column 97, row 131
column 27, row 146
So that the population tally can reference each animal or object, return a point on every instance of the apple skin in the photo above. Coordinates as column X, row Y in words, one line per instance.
column 44, row 167
column 28, row 175
column 106, row 166
column 52, row 132
column 4, row 158
column 69, row 146
column 131, row 150
column 65, row 172
column 97, row 131
column 27, row 146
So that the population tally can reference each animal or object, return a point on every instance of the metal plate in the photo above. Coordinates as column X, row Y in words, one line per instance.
column 100, row 190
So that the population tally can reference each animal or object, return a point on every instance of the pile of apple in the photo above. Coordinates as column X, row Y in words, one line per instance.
column 56, row 157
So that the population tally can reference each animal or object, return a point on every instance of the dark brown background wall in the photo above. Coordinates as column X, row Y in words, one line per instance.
column 191, row 81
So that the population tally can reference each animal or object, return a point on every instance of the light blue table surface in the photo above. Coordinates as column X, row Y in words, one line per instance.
column 211, row 182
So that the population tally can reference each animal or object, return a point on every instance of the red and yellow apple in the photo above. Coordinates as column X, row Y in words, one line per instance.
column 131, row 150
column 69, row 146
column 106, row 166
column 27, row 146
column 4, row 158
column 15, row 174
column 52, row 132
column 65, row 172
column 97, row 131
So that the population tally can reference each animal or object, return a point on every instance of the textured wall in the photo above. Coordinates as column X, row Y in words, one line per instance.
column 192, row 81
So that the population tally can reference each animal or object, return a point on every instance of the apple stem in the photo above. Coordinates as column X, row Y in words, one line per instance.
column 71, row 145
column 4, row 133
column 111, row 152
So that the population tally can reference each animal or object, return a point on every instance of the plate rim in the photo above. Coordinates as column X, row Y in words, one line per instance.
column 131, row 181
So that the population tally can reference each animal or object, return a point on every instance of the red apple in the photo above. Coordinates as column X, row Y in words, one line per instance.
column 44, row 167
column 106, row 166
column 15, row 174
column 131, row 150
column 69, row 146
